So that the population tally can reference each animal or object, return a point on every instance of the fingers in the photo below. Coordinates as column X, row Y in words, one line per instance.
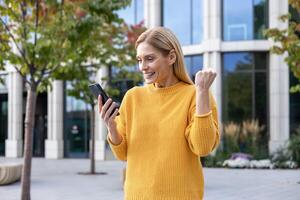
column 105, row 107
column 109, row 112
column 99, row 103
column 115, row 113
column 205, row 78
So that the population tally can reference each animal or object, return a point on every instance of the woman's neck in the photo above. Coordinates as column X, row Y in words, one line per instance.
column 167, row 83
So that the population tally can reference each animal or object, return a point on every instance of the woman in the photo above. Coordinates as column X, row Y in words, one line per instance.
column 163, row 127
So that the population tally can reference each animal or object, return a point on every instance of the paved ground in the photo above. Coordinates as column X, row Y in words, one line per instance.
column 59, row 180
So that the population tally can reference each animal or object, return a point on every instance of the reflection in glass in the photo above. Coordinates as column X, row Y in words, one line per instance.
column 3, row 122
column 185, row 19
column 193, row 64
column 260, row 18
column 294, row 105
column 245, row 23
column 134, row 13
column 244, row 87
column 76, row 126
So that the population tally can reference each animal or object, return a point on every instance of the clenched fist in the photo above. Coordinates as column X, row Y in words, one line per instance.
column 204, row 79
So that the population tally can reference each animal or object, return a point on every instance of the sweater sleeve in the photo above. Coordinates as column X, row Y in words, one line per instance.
column 120, row 150
column 202, row 132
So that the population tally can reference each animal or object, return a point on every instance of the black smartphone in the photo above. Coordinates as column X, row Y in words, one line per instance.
column 97, row 90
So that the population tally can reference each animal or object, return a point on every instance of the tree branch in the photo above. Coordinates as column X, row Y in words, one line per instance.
column 23, row 76
column 14, row 41
column 36, row 27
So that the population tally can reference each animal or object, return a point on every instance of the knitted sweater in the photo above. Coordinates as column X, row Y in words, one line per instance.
column 162, row 139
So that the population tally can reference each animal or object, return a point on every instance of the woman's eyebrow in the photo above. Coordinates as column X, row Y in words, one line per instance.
column 150, row 54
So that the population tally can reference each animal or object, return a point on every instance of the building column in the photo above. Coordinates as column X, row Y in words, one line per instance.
column 14, row 142
column 152, row 14
column 212, row 46
column 100, row 128
column 279, row 85
column 54, row 143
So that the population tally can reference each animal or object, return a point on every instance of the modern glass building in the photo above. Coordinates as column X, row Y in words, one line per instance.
column 226, row 35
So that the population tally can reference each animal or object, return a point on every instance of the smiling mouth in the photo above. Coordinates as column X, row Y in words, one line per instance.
column 148, row 75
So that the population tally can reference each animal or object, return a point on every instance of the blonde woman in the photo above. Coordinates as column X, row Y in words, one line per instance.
column 165, row 126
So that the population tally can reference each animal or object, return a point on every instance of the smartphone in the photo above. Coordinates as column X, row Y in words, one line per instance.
column 97, row 90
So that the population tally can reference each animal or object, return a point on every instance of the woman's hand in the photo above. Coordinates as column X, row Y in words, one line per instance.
column 108, row 115
column 203, row 81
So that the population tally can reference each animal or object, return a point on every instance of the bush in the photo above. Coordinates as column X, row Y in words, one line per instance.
column 294, row 146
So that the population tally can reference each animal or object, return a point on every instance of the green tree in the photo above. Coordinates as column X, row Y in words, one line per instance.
column 51, row 39
column 122, row 58
column 289, row 41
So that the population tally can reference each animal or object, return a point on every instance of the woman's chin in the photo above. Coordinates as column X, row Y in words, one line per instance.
column 149, row 81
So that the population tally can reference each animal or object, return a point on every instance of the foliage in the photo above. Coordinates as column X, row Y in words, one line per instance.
column 45, row 40
column 245, row 137
column 288, row 41
column 294, row 146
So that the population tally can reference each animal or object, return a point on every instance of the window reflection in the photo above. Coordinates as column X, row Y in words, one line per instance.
column 185, row 19
column 245, row 23
column 294, row 97
column 244, row 84
column 76, row 125
column 134, row 13
column 193, row 64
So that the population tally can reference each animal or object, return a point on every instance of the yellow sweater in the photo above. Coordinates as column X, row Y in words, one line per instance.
column 162, row 141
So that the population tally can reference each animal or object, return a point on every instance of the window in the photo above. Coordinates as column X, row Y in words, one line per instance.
column 244, row 81
column 3, row 122
column 76, row 126
column 294, row 97
column 185, row 19
column 245, row 23
column 134, row 13
column 294, row 105
column 193, row 64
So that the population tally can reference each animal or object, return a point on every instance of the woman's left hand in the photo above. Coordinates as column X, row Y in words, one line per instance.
column 204, row 79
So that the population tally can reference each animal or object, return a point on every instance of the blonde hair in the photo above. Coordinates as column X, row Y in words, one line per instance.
column 164, row 40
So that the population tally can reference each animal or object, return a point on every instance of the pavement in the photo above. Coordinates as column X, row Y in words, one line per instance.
column 59, row 180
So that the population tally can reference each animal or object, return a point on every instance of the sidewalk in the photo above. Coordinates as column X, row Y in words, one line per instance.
column 58, row 180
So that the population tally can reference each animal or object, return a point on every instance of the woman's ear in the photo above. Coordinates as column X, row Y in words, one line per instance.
column 172, row 57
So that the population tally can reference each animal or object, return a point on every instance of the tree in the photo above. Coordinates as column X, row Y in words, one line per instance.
column 50, row 38
column 121, row 55
column 289, row 41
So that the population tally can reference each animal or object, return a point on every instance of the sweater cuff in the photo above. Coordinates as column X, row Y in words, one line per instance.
column 204, row 122
column 204, row 115
column 115, row 145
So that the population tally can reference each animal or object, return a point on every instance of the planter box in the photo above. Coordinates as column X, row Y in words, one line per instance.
column 10, row 173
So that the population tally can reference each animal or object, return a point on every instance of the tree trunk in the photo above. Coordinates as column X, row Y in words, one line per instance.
column 92, row 142
column 29, row 124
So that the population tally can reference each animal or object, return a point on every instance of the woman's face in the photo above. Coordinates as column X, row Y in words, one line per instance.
column 156, row 67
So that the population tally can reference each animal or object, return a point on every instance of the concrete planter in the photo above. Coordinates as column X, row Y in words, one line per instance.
column 10, row 173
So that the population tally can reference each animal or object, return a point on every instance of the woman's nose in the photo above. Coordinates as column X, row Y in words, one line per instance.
column 142, row 66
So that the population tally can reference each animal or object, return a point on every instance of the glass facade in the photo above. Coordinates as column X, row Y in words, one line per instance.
column 3, row 122
column 294, row 106
column 134, row 13
column 294, row 97
column 245, row 23
column 193, row 64
column 185, row 19
column 76, row 126
column 244, row 82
